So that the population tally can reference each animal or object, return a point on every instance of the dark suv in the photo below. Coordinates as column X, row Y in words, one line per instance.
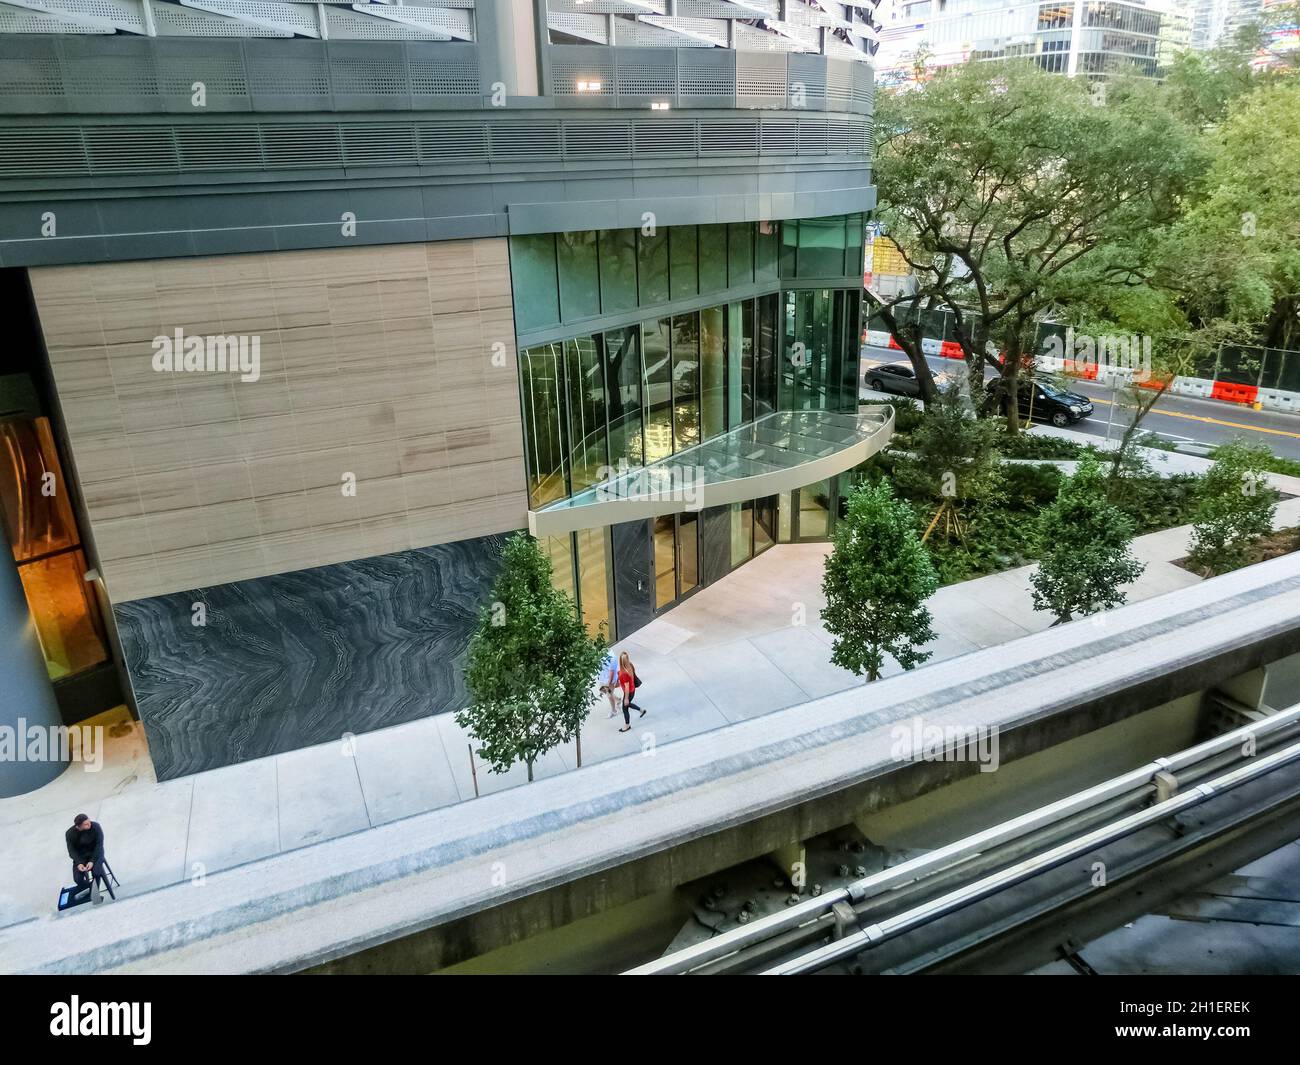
column 1046, row 402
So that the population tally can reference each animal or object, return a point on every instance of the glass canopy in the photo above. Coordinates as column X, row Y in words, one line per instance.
column 776, row 453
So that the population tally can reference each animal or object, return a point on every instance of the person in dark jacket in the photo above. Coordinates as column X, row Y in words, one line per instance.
column 85, row 841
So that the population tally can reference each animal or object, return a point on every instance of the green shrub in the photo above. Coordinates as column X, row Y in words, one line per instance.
column 1235, row 506
column 1029, row 446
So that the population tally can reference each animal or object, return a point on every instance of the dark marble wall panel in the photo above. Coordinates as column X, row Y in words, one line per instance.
column 300, row 658
column 716, row 543
column 633, row 586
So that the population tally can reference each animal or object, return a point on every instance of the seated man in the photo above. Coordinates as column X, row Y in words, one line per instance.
column 85, row 841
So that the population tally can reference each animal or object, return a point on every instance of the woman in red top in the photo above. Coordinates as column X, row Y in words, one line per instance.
column 627, row 680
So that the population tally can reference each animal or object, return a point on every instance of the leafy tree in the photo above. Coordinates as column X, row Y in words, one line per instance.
column 876, row 582
column 1235, row 259
column 1085, row 540
column 1011, row 191
column 1235, row 505
column 531, row 668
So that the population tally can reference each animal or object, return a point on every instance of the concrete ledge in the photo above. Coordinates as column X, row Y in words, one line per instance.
column 571, row 845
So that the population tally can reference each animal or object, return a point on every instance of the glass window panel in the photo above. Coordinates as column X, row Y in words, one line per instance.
column 814, row 501
column 686, row 380
column 593, row 581
column 544, row 444
column 713, row 372
column 738, row 388
column 588, row 461
column 36, row 523
column 579, row 281
column 764, row 523
column 64, row 612
column 785, row 516
column 767, row 236
column 658, row 394
column 821, row 247
column 789, row 234
column 766, row 357
column 652, row 268
column 854, row 246
column 742, row 532
column 623, row 381
column 685, row 266
column 713, row 258
column 617, row 270
column 534, row 281
column 665, row 562
column 688, row 552
column 559, row 549
column 740, row 254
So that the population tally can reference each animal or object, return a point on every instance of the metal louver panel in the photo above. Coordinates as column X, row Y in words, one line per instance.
column 452, row 143
column 780, row 136
column 812, row 136
column 668, row 137
column 737, row 136
column 53, row 152
column 610, row 140
column 300, row 147
column 515, row 140
column 131, row 150
column 391, row 145
column 220, row 148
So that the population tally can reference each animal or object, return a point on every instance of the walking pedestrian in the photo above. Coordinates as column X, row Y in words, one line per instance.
column 610, row 687
column 628, row 681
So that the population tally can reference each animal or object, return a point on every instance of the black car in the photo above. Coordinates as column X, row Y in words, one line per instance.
column 1046, row 402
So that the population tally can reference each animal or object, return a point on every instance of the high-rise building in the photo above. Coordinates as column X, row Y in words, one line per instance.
column 310, row 305
column 1091, row 38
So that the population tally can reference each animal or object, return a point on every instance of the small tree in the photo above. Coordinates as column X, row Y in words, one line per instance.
column 1235, row 506
column 1086, row 555
column 956, row 461
column 876, row 582
column 531, row 667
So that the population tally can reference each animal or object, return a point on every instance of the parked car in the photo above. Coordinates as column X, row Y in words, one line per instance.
column 899, row 379
column 1039, row 400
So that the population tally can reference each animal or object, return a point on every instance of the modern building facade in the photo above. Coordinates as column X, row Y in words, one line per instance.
column 1089, row 38
column 318, row 303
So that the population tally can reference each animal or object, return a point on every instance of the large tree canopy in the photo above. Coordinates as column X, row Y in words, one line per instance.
column 1011, row 192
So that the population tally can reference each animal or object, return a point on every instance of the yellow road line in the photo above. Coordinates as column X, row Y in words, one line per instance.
column 1211, row 421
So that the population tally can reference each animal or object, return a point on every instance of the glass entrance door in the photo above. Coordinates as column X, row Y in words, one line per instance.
column 676, row 547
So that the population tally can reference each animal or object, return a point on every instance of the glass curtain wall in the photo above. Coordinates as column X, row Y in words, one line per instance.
column 640, row 393
column 577, row 276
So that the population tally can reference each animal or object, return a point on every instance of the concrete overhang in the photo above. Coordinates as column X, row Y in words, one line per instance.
column 775, row 453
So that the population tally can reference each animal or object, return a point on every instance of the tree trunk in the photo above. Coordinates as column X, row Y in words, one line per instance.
column 1010, row 378
column 530, row 770
column 911, row 346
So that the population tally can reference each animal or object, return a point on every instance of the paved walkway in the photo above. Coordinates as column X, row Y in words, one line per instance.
column 748, row 645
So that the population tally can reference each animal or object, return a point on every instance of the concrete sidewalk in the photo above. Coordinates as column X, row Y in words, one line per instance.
column 749, row 645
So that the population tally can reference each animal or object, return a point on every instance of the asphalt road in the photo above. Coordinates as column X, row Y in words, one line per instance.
column 1174, row 418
